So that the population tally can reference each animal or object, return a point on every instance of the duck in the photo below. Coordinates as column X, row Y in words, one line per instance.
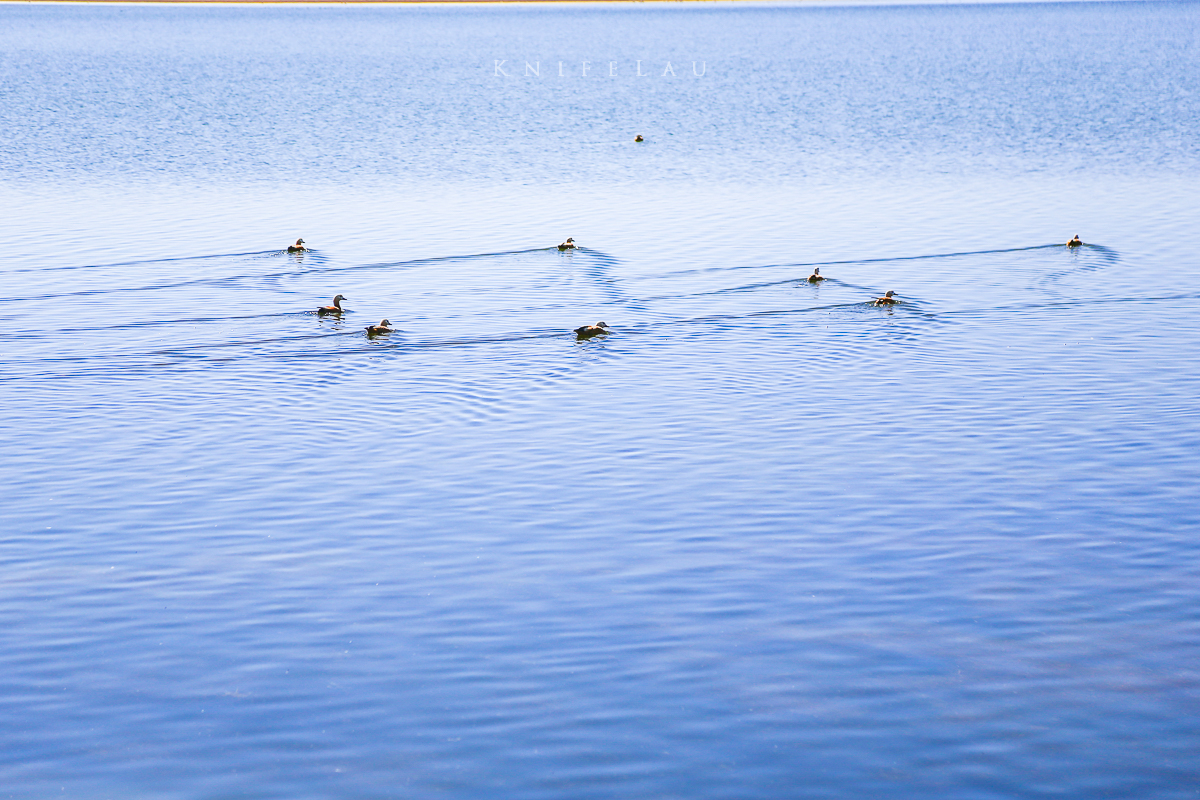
column 887, row 300
column 569, row 244
column 588, row 331
column 336, row 308
column 816, row 277
column 638, row 138
column 1076, row 242
column 298, row 247
column 383, row 327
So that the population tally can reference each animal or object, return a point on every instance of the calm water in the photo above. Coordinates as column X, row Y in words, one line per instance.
column 762, row 541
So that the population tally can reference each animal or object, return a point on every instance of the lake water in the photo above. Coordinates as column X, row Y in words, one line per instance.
column 764, row 540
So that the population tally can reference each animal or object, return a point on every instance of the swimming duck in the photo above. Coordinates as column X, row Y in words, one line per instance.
column 1076, row 242
column 816, row 277
column 588, row 331
column 383, row 327
column 336, row 308
column 638, row 138
column 298, row 247
column 887, row 300
column 569, row 244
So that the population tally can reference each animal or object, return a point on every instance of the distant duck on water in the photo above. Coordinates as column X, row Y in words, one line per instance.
column 383, row 327
column 569, row 244
column 1076, row 242
column 298, row 247
column 336, row 308
column 888, row 299
column 816, row 277
column 588, row 331
column 638, row 138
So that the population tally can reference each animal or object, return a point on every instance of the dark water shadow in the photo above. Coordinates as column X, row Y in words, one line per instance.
column 310, row 254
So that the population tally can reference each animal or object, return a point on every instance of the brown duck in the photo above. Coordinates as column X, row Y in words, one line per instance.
column 588, row 331
column 383, row 327
column 336, row 308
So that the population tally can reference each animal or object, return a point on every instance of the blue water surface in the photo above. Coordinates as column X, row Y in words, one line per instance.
column 764, row 540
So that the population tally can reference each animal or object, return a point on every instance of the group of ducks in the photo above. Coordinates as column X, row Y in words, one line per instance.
column 587, row 331
column 888, row 299
column 385, row 326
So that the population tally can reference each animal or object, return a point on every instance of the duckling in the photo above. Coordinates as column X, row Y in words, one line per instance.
column 383, row 327
column 816, row 277
column 336, row 308
column 588, row 331
column 638, row 138
column 1076, row 242
column 298, row 247
column 569, row 244
column 887, row 300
